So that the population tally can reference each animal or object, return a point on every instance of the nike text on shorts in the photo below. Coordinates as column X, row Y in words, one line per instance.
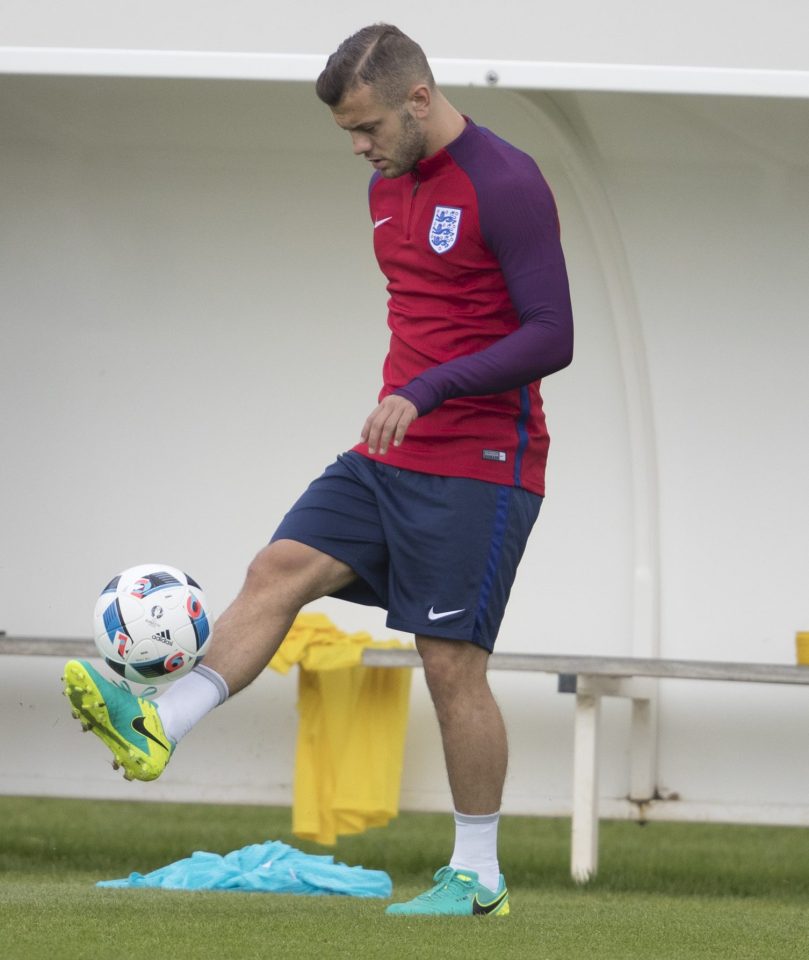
column 438, row 553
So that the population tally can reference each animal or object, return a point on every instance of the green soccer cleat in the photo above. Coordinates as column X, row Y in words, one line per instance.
column 130, row 726
column 457, row 893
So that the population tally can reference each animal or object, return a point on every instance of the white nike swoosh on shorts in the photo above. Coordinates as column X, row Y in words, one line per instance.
column 432, row 615
column 378, row 223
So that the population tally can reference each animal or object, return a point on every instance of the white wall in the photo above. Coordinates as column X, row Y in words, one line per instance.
column 718, row 33
column 193, row 326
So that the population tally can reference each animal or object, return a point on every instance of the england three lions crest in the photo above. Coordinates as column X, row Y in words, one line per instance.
column 444, row 228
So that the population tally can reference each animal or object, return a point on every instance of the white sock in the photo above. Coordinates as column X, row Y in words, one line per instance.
column 476, row 847
column 189, row 699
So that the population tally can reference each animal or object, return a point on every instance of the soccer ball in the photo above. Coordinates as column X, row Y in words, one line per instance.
column 151, row 623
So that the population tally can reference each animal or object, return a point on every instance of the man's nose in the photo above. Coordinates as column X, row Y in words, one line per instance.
column 360, row 143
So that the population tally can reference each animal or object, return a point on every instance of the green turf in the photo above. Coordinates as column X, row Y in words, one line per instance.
column 665, row 891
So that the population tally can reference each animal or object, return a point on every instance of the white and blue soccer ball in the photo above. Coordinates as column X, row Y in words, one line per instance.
column 152, row 623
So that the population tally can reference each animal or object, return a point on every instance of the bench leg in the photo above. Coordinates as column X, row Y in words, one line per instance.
column 643, row 750
column 584, row 855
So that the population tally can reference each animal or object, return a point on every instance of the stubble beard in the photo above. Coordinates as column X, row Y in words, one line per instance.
column 411, row 148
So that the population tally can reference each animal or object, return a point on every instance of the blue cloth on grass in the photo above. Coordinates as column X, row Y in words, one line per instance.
column 272, row 867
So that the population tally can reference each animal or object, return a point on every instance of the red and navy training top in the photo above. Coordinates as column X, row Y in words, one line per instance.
column 479, row 309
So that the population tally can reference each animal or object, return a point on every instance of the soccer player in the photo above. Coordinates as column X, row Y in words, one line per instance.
column 428, row 515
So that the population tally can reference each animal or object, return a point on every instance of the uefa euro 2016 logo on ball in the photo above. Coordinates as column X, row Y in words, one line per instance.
column 152, row 623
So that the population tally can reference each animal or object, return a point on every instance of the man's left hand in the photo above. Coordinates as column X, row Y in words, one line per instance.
column 389, row 420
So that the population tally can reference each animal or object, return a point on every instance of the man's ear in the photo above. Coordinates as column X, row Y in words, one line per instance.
column 419, row 100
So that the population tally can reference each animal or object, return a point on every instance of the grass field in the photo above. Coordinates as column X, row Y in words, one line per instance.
column 664, row 892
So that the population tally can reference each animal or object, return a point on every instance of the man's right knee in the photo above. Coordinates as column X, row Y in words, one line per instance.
column 296, row 570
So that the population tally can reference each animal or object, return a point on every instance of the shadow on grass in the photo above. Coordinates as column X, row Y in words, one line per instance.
column 111, row 839
column 713, row 860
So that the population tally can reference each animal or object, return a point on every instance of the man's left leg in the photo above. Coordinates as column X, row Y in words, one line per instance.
column 476, row 755
column 472, row 729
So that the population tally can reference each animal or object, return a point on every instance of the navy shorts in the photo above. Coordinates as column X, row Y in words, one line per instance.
column 438, row 553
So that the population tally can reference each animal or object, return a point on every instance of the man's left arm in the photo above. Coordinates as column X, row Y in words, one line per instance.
column 522, row 230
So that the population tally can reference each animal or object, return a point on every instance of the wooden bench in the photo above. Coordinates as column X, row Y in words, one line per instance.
column 588, row 678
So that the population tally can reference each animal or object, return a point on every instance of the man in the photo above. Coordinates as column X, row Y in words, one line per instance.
column 429, row 514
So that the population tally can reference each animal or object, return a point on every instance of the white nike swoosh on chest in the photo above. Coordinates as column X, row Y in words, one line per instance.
column 378, row 223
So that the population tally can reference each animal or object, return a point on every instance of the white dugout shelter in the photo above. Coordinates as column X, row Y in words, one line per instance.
column 193, row 325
